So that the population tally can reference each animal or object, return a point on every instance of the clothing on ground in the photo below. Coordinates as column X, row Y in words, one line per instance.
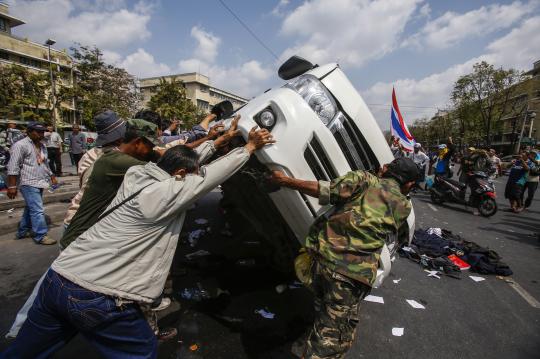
column 368, row 210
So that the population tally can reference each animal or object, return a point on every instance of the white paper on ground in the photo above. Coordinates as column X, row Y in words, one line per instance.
column 415, row 304
column 397, row 332
column 396, row 281
column 477, row 279
column 374, row 299
column 201, row 221
column 432, row 273
column 265, row 314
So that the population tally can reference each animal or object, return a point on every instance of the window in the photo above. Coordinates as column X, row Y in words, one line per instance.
column 204, row 88
column 203, row 105
column 4, row 55
column 3, row 25
column 29, row 62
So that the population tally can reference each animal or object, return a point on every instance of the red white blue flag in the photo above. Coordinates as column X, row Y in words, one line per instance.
column 398, row 127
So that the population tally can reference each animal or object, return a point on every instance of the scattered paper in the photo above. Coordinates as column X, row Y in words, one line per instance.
column 396, row 281
column 201, row 221
column 433, row 273
column 194, row 236
column 199, row 253
column 435, row 231
column 265, row 314
column 374, row 299
column 10, row 210
column 477, row 279
column 397, row 332
column 408, row 249
column 415, row 304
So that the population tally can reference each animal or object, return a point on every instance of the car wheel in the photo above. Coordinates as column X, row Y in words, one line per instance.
column 435, row 198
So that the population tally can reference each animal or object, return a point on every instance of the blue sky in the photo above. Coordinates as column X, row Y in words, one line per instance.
column 420, row 47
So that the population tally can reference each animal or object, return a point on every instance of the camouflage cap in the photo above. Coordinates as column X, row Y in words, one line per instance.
column 144, row 129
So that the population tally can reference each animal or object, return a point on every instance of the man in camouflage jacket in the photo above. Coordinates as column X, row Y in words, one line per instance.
column 346, row 246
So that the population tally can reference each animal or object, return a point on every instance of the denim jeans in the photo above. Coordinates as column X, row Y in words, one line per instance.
column 62, row 309
column 33, row 217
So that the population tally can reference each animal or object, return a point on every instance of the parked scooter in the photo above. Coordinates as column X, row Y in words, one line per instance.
column 482, row 192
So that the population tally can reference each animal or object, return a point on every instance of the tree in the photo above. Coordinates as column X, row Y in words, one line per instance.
column 171, row 102
column 100, row 86
column 482, row 97
column 24, row 93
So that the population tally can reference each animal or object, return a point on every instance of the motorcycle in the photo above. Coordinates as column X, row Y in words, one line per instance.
column 482, row 192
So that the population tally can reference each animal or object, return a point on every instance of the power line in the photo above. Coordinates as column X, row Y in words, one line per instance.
column 249, row 30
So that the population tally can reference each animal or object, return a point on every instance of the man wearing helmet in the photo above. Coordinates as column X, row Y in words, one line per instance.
column 346, row 243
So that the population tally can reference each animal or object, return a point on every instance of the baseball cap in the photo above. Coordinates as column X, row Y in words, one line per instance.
column 417, row 145
column 36, row 126
column 442, row 146
column 144, row 129
column 403, row 170
column 109, row 127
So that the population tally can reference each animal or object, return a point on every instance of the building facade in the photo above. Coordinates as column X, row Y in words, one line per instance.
column 198, row 90
column 520, row 124
column 15, row 50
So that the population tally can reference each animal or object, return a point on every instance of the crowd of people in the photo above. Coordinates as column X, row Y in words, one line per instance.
column 523, row 172
column 122, row 228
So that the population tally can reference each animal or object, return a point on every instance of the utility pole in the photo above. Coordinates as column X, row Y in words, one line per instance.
column 528, row 114
column 49, row 43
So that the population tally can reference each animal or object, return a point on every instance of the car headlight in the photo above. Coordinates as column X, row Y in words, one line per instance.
column 266, row 118
column 316, row 95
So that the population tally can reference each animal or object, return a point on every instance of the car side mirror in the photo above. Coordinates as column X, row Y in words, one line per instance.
column 293, row 67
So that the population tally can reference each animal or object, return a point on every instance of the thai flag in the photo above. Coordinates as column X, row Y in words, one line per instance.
column 398, row 126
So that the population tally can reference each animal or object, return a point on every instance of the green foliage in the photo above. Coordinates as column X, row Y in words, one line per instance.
column 171, row 102
column 479, row 100
column 100, row 86
column 24, row 94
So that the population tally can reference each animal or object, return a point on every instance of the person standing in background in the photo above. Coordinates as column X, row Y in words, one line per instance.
column 77, row 144
column 53, row 142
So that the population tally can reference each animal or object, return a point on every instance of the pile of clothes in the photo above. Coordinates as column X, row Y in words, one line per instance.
column 441, row 250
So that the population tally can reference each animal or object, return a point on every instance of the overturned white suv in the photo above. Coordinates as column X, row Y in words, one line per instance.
column 323, row 130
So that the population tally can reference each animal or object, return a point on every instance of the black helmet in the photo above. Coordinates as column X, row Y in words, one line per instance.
column 403, row 170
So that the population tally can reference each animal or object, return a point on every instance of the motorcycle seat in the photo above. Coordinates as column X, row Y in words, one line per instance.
column 457, row 183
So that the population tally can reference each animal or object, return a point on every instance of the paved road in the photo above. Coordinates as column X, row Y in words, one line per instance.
column 462, row 318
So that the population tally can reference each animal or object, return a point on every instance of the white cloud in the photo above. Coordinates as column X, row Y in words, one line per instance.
column 452, row 28
column 513, row 50
column 246, row 79
column 351, row 31
column 143, row 64
column 281, row 5
column 207, row 47
column 106, row 24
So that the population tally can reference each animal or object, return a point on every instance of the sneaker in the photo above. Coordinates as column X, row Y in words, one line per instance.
column 167, row 334
column 164, row 304
column 47, row 241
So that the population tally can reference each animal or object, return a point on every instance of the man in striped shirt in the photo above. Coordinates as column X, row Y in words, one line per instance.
column 28, row 170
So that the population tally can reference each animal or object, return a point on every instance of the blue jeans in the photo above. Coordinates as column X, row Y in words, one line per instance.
column 33, row 217
column 62, row 309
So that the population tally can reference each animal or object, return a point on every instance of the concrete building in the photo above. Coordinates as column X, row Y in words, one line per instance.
column 35, row 57
column 526, row 96
column 198, row 90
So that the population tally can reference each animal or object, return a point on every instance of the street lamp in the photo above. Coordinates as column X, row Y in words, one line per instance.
column 49, row 43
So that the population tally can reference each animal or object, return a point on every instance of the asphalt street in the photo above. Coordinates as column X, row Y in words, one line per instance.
column 494, row 318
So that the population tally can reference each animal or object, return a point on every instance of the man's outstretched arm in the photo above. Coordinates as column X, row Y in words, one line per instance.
column 311, row 188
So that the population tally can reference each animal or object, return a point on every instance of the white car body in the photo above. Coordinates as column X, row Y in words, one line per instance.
column 298, row 129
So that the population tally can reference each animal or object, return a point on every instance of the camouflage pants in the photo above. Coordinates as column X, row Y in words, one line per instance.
column 337, row 301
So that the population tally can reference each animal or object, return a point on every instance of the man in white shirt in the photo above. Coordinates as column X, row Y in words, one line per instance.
column 53, row 142
column 421, row 160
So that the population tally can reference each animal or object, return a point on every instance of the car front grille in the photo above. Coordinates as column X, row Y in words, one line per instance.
column 318, row 161
column 353, row 144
